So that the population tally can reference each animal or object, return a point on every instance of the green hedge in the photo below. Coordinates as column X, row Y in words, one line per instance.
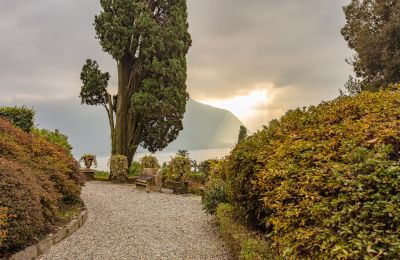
column 22, row 117
column 324, row 182
column 245, row 244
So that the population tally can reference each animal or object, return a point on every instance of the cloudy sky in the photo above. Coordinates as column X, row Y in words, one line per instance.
column 256, row 58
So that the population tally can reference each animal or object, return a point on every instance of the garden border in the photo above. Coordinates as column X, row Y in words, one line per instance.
column 44, row 245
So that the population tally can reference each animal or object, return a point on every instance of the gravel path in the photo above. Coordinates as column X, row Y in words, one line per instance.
column 125, row 223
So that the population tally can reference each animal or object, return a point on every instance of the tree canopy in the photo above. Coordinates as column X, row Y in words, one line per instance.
column 372, row 30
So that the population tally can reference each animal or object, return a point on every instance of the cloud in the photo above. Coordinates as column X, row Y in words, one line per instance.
column 294, row 45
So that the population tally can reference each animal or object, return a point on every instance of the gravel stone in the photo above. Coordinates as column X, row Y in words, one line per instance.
column 125, row 223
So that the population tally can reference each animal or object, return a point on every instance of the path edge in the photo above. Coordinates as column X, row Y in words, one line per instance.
column 44, row 245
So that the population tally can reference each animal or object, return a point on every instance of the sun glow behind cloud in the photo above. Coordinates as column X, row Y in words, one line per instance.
column 246, row 106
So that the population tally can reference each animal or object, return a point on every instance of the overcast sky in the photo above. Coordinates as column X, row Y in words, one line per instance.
column 289, row 53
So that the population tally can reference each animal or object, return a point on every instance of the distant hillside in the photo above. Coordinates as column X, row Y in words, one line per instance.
column 205, row 127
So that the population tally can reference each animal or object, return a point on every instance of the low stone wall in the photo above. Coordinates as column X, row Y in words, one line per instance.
column 32, row 252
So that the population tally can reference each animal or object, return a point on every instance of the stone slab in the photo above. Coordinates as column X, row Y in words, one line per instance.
column 72, row 227
column 44, row 245
column 60, row 235
column 28, row 253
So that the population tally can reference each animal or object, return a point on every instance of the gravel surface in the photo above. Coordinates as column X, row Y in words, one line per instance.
column 125, row 223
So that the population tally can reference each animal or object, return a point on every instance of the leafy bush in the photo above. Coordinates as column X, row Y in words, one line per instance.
column 54, row 137
column 101, row 175
column 178, row 166
column 19, row 116
column 3, row 224
column 324, row 182
column 245, row 244
column 119, row 168
column 215, row 193
column 149, row 161
column 134, row 169
column 196, row 177
column 37, row 179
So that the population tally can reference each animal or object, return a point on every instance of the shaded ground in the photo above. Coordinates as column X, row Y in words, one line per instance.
column 125, row 223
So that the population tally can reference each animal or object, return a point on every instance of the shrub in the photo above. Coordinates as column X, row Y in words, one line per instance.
column 101, row 175
column 54, row 137
column 149, row 161
column 19, row 116
column 196, row 177
column 119, row 168
column 324, row 182
column 37, row 179
column 245, row 244
column 3, row 224
column 178, row 166
column 215, row 193
column 134, row 169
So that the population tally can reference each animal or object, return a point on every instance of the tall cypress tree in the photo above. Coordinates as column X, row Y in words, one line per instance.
column 149, row 41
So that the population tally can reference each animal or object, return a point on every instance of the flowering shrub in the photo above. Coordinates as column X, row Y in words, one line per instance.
column 324, row 182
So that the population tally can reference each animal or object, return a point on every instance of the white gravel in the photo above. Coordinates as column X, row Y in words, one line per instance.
column 125, row 223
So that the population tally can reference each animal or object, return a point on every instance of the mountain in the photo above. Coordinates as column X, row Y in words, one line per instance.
column 205, row 127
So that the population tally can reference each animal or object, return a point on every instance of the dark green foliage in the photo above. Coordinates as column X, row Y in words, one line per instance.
column 245, row 244
column 22, row 117
column 242, row 133
column 324, row 182
column 373, row 31
column 196, row 177
column 134, row 169
column 215, row 193
column 94, row 89
column 54, row 137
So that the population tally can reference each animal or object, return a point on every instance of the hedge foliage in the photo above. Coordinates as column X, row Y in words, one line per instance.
column 245, row 244
column 119, row 168
column 22, row 117
column 54, row 137
column 324, row 182
column 37, row 179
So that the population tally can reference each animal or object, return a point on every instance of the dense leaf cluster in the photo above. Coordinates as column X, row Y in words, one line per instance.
column 372, row 30
column 178, row 167
column 149, row 161
column 324, row 182
column 37, row 180
column 22, row 117
column 54, row 137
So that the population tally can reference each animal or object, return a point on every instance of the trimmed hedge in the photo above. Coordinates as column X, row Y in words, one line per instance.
column 37, row 180
column 324, row 182
column 22, row 117
column 245, row 244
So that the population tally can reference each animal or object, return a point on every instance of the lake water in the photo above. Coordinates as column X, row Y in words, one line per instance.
column 198, row 155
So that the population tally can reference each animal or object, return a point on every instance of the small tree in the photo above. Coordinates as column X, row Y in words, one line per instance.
column 372, row 30
column 178, row 166
column 242, row 133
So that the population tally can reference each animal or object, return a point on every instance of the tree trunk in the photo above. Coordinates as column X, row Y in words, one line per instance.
column 123, row 104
